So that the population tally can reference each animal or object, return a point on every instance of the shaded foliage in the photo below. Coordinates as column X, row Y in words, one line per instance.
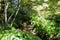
column 41, row 17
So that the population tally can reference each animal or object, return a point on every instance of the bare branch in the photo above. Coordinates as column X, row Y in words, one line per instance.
column 15, row 16
column 10, row 17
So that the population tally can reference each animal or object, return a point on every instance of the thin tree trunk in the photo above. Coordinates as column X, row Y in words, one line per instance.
column 5, row 12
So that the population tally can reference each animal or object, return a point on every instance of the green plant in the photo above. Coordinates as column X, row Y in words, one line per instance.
column 16, row 35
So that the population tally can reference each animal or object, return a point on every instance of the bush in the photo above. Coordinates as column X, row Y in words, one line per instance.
column 16, row 35
column 46, row 27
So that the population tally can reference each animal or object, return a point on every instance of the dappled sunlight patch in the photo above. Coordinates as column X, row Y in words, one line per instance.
column 46, row 0
column 45, row 5
column 38, row 7
column 33, row 0
column 58, row 3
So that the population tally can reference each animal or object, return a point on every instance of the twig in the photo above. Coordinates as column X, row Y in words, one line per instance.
column 15, row 16
column 10, row 17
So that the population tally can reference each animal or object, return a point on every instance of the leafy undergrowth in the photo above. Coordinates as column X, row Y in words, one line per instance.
column 16, row 35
